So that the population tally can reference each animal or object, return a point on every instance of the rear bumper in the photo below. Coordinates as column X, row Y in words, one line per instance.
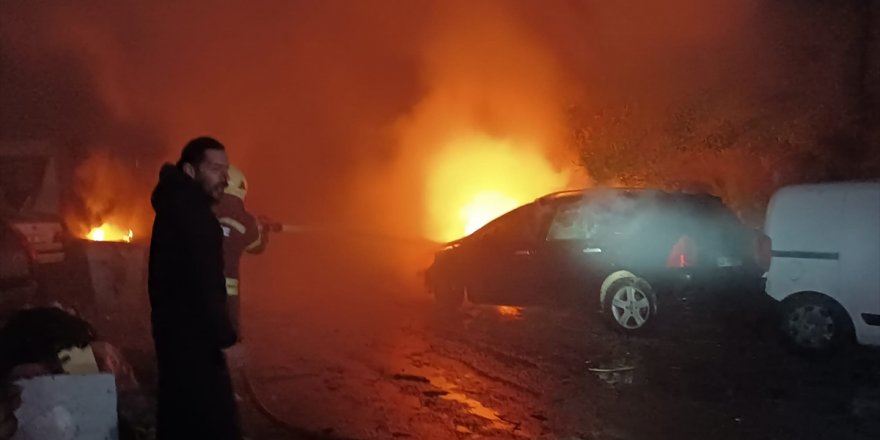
column 737, row 279
column 718, row 299
column 871, row 319
column 49, row 257
column 48, row 252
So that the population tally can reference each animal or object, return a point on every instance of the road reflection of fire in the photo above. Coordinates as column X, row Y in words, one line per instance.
column 110, row 232
column 509, row 311
column 450, row 391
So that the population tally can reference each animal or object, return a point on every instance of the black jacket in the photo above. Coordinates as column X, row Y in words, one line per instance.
column 187, row 286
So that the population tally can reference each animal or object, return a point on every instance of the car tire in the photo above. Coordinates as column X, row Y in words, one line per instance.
column 449, row 297
column 814, row 324
column 629, row 304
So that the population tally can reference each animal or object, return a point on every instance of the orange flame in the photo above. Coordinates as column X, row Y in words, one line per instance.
column 510, row 311
column 477, row 178
column 109, row 232
column 113, row 200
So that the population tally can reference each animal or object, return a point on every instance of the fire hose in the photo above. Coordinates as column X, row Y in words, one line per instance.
column 284, row 227
column 276, row 228
column 340, row 230
column 300, row 433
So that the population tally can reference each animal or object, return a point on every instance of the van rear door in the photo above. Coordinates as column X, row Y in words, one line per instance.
column 806, row 227
column 860, row 260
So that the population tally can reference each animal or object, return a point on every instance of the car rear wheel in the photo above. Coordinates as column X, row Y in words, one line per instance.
column 629, row 304
column 813, row 323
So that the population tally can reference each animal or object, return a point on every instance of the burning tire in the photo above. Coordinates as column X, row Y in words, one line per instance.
column 628, row 302
column 813, row 323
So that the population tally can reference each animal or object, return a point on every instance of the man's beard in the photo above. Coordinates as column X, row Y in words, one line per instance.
column 213, row 191
column 216, row 191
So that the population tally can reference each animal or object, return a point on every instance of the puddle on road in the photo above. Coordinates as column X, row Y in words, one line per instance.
column 474, row 406
column 615, row 376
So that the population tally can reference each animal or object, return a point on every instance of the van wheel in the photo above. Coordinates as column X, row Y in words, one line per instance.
column 812, row 323
column 630, row 304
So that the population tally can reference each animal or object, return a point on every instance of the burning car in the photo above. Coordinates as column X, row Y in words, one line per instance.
column 626, row 250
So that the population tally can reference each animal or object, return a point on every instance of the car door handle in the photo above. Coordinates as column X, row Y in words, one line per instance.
column 525, row 252
column 592, row 250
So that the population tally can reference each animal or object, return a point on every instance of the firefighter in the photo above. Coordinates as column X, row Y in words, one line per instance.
column 242, row 233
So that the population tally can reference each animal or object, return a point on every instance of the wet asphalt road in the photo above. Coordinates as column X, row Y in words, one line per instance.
column 341, row 340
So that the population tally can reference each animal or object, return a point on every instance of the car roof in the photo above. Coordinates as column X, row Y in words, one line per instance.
column 578, row 194
column 830, row 186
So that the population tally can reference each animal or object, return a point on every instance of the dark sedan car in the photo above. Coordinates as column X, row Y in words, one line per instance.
column 623, row 249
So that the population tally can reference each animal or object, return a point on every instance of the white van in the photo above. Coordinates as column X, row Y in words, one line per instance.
column 825, row 266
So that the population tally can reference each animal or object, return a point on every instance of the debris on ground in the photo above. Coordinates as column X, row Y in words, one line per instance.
column 35, row 336
column 68, row 407
column 615, row 372
column 73, row 386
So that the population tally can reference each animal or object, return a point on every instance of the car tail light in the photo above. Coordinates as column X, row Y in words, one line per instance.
column 683, row 254
column 763, row 248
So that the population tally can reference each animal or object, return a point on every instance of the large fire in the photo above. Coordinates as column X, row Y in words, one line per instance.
column 477, row 178
column 485, row 207
column 110, row 232
column 113, row 200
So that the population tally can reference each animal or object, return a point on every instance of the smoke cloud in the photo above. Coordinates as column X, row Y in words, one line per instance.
column 339, row 110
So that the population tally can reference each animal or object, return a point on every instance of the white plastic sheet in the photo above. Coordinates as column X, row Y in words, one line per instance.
column 68, row 407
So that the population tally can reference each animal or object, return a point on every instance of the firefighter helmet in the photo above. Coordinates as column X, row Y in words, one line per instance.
column 237, row 185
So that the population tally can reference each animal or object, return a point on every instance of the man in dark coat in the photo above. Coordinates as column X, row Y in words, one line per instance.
column 191, row 325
